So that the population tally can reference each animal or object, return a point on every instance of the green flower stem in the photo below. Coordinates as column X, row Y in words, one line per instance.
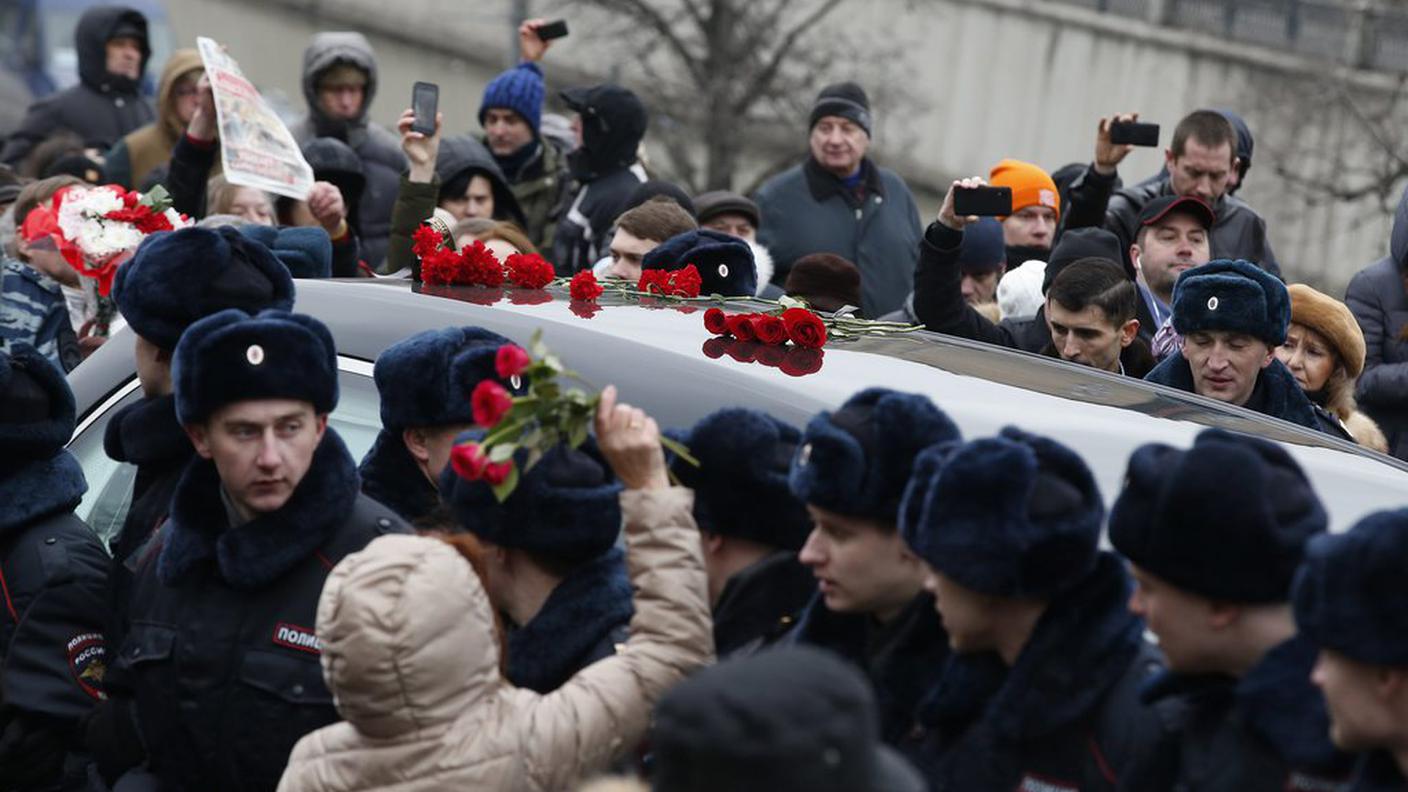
column 499, row 434
column 678, row 450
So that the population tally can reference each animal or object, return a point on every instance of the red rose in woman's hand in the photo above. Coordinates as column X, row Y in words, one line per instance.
column 716, row 321
column 511, row 360
column 489, row 403
column 740, row 326
column 804, row 328
column 584, row 286
column 469, row 461
column 496, row 473
column 769, row 329
column 801, row 361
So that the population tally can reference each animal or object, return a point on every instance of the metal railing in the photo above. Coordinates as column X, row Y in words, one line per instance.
column 1368, row 34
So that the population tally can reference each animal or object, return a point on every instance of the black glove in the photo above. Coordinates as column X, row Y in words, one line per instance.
column 32, row 751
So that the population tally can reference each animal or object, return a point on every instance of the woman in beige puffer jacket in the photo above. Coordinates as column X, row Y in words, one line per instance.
column 410, row 657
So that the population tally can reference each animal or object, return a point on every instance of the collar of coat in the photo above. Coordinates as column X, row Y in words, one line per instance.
column 1378, row 772
column 825, row 185
column 1135, row 360
column 147, row 433
column 1081, row 647
column 757, row 600
column 391, row 477
column 579, row 615
column 260, row 551
column 1276, row 394
column 40, row 489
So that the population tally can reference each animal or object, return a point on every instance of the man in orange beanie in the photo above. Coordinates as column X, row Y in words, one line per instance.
column 1036, row 209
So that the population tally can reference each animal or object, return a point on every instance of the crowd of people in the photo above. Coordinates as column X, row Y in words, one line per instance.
column 869, row 602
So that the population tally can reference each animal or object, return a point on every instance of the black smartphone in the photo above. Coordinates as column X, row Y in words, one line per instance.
column 552, row 30
column 425, row 101
column 1134, row 133
column 982, row 201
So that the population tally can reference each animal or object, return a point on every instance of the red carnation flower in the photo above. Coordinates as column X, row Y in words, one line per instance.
column 529, row 270
column 496, row 473
column 511, row 360
column 685, row 282
column 716, row 321
column 654, row 281
column 804, row 328
column 469, row 461
column 481, row 265
column 740, row 326
column 440, row 267
column 584, row 286
column 425, row 239
column 489, row 403
column 769, row 329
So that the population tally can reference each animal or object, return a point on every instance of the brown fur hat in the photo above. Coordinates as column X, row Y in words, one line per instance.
column 1330, row 318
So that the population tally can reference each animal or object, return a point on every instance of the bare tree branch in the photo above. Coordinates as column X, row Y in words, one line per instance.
column 665, row 28
column 763, row 80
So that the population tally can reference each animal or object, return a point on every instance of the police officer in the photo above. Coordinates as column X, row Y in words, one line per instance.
column 174, row 280
column 221, row 664
column 425, row 383
column 53, row 577
column 751, row 524
column 1348, row 596
column 871, row 607
column 1219, row 602
column 1042, row 691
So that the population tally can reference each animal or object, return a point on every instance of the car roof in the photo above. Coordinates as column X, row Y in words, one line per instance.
column 656, row 355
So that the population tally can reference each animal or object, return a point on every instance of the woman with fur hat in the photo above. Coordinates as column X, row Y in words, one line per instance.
column 1324, row 350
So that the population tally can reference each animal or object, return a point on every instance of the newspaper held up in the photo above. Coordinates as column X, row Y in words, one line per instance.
column 256, row 149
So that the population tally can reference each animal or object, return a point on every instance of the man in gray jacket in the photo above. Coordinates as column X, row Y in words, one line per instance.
column 1201, row 162
column 841, row 202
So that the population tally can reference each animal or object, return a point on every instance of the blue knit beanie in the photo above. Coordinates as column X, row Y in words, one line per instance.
column 519, row 89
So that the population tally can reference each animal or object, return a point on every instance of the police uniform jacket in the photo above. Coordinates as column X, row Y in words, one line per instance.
column 221, row 662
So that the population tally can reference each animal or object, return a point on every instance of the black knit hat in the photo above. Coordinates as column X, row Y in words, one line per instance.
column 846, row 100
column 1079, row 243
column 1227, row 519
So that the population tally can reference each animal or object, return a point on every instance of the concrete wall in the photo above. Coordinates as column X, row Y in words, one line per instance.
column 979, row 80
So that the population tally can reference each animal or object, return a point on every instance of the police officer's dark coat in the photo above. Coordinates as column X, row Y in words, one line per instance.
column 53, row 580
column 221, row 661
column 1066, row 716
column 903, row 659
column 1378, row 772
column 391, row 476
column 584, row 619
column 760, row 604
column 1267, row 732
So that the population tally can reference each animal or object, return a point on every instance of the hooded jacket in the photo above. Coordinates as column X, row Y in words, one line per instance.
column 140, row 152
column 1377, row 297
column 808, row 210
column 102, row 107
column 406, row 652
column 379, row 149
column 460, row 154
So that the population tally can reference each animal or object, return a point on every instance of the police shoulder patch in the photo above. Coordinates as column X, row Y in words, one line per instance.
column 303, row 639
column 88, row 660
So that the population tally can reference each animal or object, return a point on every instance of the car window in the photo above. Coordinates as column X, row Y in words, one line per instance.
column 104, row 507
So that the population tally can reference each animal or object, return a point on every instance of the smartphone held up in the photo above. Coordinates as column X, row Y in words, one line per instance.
column 425, row 102
column 982, row 201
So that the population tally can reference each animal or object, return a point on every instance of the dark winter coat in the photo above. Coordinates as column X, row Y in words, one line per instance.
column 380, row 150
column 543, row 185
column 938, row 303
column 584, row 620
column 53, row 577
column 759, row 604
column 1276, row 394
column 391, row 477
column 1238, row 232
column 806, row 209
column 1377, row 297
column 221, row 665
column 102, row 107
column 1066, row 716
column 1267, row 732
column 1378, row 772
column 902, row 659
column 185, row 179
column 583, row 234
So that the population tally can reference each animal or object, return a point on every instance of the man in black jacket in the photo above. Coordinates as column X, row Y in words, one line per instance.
column 1219, row 602
column 111, row 42
column 1042, row 689
column 220, row 668
column 1201, row 162
column 751, row 525
column 53, row 576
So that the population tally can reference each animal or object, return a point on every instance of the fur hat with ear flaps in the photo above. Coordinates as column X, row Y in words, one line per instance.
column 426, row 380
column 37, row 411
column 232, row 356
column 1017, row 515
column 1349, row 592
column 725, row 263
column 1233, row 296
column 857, row 460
